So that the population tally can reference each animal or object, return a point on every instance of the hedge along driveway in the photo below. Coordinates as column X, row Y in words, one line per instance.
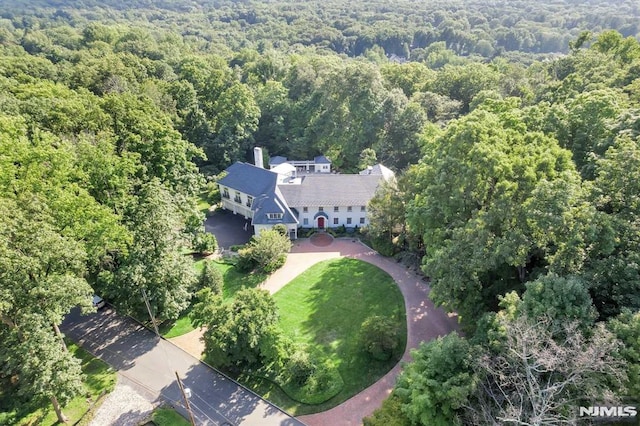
column 324, row 309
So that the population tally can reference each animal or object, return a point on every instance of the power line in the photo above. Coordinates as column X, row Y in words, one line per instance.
column 157, row 393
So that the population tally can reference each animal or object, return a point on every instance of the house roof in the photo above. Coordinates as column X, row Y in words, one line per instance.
column 379, row 170
column 331, row 190
column 283, row 168
column 321, row 159
column 274, row 161
column 273, row 203
column 261, row 185
column 249, row 179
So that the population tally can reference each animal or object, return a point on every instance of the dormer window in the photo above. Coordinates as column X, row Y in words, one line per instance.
column 237, row 198
column 249, row 200
column 225, row 193
column 274, row 215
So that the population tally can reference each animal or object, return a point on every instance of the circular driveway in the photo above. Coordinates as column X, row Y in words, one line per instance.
column 424, row 320
column 230, row 229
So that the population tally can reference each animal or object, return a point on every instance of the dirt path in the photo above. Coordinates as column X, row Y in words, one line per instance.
column 424, row 320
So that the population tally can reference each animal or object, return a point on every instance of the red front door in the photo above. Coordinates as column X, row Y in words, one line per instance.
column 321, row 222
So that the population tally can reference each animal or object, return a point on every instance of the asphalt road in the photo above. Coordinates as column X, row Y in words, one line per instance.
column 150, row 363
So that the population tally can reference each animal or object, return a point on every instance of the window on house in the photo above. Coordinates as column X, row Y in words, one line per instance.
column 336, row 208
column 249, row 200
column 363, row 208
column 305, row 209
column 305, row 221
column 348, row 221
column 320, row 209
column 349, row 209
column 274, row 215
column 335, row 220
column 362, row 220
column 237, row 198
column 225, row 193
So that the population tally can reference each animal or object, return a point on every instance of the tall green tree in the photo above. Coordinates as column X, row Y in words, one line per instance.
column 495, row 205
column 154, row 263
column 41, row 279
column 239, row 334
column 437, row 385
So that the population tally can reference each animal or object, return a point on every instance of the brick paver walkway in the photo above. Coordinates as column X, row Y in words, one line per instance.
column 424, row 320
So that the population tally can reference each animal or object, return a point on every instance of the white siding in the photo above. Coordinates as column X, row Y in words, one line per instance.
column 232, row 203
column 342, row 215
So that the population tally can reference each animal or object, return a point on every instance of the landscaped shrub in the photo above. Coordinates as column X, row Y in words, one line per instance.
column 379, row 337
column 306, row 232
column 382, row 245
column 245, row 261
column 269, row 250
column 237, row 247
column 211, row 277
column 276, row 264
column 205, row 243
column 323, row 384
column 281, row 229
column 301, row 367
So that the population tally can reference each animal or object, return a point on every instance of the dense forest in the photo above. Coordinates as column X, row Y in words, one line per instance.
column 513, row 126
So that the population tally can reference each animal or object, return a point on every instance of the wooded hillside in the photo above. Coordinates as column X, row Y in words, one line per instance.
column 514, row 128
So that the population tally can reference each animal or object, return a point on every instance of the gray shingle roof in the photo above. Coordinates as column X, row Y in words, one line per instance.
column 271, row 204
column 261, row 185
column 321, row 159
column 249, row 179
column 331, row 190
column 274, row 161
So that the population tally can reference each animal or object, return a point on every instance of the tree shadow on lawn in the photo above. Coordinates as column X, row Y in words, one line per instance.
column 345, row 295
column 235, row 280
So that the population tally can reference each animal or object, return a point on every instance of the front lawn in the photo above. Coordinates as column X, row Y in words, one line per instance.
column 323, row 309
column 100, row 379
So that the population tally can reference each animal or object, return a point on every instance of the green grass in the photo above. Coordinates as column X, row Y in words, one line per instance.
column 100, row 378
column 203, row 204
column 234, row 281
column 323, row 308
column 168, row 417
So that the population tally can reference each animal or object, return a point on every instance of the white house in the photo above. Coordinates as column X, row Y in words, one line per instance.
column 295, row 195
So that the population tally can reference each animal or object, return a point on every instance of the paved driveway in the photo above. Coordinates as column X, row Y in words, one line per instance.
column 229, row 228
column 424, row 321
column 150, row 364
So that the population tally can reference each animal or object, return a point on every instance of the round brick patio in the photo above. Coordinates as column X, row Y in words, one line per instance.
column 321, row 239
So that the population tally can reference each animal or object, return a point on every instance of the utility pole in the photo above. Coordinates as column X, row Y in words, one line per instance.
column 186, row 400
column 153, row 319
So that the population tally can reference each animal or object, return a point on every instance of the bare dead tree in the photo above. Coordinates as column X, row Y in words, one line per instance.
column 539, row 377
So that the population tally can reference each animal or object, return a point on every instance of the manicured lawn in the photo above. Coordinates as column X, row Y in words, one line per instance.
column 168, row 417
column 99, row 378
column 324, row 308
column 234, row 281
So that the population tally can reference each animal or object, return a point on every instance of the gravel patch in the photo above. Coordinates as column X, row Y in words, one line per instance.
column 122, row 407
